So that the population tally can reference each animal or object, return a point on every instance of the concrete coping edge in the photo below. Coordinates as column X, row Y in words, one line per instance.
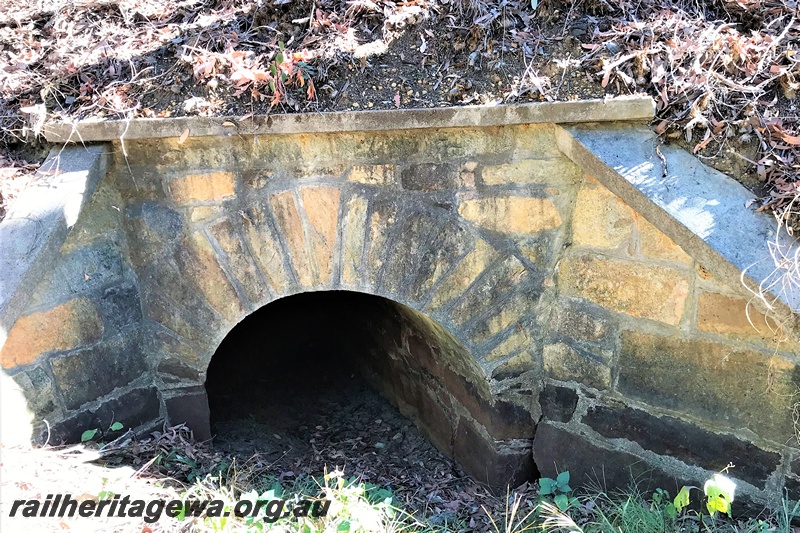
column 703, row 210
column 39, row 221
column 637, row 108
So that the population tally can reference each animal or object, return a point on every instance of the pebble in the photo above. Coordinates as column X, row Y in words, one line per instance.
column 379, row 445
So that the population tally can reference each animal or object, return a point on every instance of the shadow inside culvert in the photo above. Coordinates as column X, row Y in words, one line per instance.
column 286, row 383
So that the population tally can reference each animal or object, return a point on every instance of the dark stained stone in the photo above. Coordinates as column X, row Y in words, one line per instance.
column 191, row 408
column 90, row 373
column 430, row 177
column 558, row 403
column 557, row 450
column 727, row 386
column 132, row 409
column 489, row 461
column 39, row 393
column 689, row 443
column 120, row 308
column 173, row 370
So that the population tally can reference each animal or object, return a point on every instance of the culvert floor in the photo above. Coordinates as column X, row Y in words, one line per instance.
column 300, row 429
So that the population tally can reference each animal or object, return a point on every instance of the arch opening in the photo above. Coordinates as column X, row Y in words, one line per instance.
column 310, row 375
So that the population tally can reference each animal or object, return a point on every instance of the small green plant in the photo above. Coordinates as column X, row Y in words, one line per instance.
column 660, row 501
column 559, row 490
column 718, row 492
column 90, row 434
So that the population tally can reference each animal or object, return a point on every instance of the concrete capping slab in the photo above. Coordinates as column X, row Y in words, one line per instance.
column 617, row 109
column 40, row 219
column 701, row 209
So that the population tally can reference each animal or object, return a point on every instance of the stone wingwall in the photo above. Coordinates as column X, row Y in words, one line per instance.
column 527, row 291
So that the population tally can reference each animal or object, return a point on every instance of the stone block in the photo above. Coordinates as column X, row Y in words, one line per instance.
column 687, row 442
column 152, row 228
column 637, row 289
column 720, row 313
column 558, row 403
column 70, row 325
column 373, row 174
column 132, row 409
column 496, row 283
column 605, row 466
column 729, row 387
column 511, row 214
column 355, row 231
column 499, row 465
column 239, row 261
column 382, row 221
column 430, row 177
column 514, row 367
column 447, row 245
column 467, row 174
column 516, row 341
column 120, row 307
column 428, row 407
column 655, row 244
column 549, row 171
column 208, row 187
column 204, row 212
column 86, row 375
column 409, row 250
column 37, row 387
column 322, row 211
column 175, row 370
column 167, row 346
column 199, row 263
column 601, row 219
column 566, row 363
column 170, row 317
column 79, row 271
column 167, row 294
column 510, row 313
column 464, row 274
column 502, row 419
column 579, row 321
column 191, row 408
column 319, row 168
column 99, row 219
column 266, row 248
column 291, row 227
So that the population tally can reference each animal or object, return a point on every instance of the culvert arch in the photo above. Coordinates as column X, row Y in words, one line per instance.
column 279, row 366
column 588, row 287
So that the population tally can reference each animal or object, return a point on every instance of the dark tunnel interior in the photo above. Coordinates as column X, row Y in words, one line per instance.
column 325, row 378
column 289, row 381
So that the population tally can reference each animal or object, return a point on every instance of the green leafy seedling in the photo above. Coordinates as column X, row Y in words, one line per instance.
column 89, row 434
column 719, row 494
column 661, row 500
column 682, row 499
column 559, row 489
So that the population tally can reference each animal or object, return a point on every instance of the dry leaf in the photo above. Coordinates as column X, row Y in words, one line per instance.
column 184, row 136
